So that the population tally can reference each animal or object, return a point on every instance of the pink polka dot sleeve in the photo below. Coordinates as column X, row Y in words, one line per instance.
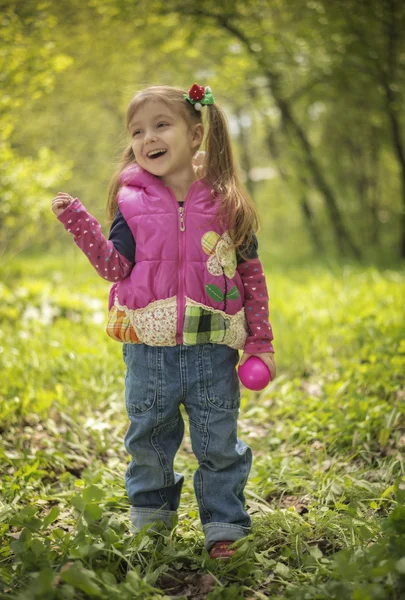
column 256, row 307
column 86, row 230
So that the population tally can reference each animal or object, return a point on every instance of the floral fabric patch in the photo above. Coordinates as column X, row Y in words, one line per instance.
column 155, row 325
column 222, row 255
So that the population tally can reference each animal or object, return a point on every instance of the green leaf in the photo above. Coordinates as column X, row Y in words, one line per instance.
column 92, row 512
column 4, row 513
column 214, row 292
column 92, row 493
column 32, row 523
column 233, row 294
column 81, row 579
column 108, row 578
column 282, row 569
column 22, row 544
column 37, row 547
column 60, row 62
column 384, row 436
column 51, row 517
column 315, row 552
column 400, row 565
column 44, row 582
column 78, row 502
column 388, row 492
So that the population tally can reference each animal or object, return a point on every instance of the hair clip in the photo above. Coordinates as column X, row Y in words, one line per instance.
column 199, row 96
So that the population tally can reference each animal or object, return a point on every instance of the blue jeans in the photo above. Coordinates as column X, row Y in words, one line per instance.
column 203, row 377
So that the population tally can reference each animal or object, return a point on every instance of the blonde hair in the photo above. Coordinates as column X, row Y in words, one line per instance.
column 236, row 207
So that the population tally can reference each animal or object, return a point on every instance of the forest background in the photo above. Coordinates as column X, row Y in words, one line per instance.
column 314, row 94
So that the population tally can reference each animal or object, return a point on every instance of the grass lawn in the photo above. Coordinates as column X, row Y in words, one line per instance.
column 327, row 487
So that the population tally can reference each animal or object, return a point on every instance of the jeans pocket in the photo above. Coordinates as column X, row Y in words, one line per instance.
column 220, row 377
column 141, row 381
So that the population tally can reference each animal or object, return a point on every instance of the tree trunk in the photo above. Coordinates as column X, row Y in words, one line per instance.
column 400, row 154
column 310, row 221
column 306, row 209
column 388, row 78
column 343, row 238
column 386, row 73
column 374, row 192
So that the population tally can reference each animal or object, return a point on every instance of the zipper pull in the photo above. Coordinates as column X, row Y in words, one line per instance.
column 181, row 210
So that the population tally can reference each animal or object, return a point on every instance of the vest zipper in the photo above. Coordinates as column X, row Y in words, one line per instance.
column 181, row 296
column 182, row 226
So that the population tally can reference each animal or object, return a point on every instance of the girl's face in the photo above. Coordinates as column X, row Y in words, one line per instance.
column 162, row 141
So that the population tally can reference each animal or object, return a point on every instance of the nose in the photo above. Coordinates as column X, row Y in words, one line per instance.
column 150, row 136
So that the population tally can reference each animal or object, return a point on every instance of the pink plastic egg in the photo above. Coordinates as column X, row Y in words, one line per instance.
column 254, row 374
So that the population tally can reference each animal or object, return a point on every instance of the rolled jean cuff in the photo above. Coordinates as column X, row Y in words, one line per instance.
column 141, row 516
column 216, row 532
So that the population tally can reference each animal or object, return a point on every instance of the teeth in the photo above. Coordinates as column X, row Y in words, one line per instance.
column 155, row 152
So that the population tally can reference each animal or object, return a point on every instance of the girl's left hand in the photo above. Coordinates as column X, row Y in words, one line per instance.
column 266, row 357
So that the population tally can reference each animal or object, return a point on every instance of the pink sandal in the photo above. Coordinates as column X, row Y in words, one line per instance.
column 221, row 549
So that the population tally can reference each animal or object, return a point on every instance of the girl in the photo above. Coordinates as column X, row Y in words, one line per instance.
column 188, row 292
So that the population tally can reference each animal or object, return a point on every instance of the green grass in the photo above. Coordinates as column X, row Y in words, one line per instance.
column 327, row 487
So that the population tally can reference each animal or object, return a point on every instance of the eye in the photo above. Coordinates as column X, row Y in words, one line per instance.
column 136, row 132
column 162, row 124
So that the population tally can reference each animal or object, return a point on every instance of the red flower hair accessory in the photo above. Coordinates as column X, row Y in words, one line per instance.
column 199, row 96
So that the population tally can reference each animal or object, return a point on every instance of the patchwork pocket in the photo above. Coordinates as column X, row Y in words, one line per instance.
column 119, row 327
column 203, row 326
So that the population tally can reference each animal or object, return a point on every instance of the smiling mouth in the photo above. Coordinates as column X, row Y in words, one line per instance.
column 156, row 153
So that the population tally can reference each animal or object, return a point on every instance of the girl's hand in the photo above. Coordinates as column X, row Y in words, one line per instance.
column 266, row 357
column 60, row 202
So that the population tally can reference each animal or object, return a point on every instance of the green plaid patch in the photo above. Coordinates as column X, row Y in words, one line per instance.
column 203, row 326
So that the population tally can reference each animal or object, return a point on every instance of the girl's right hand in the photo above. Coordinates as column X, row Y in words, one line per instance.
column 60, row 202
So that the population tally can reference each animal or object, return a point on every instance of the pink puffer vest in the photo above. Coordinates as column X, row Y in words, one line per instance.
column 184, row 287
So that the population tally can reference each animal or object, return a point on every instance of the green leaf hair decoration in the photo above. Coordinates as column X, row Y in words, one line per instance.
column 199, row 96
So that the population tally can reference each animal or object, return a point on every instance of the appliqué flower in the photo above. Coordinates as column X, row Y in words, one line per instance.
column 222, row 256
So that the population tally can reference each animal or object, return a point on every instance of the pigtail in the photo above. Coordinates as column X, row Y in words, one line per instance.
column 127, row 158
column 237, row 207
